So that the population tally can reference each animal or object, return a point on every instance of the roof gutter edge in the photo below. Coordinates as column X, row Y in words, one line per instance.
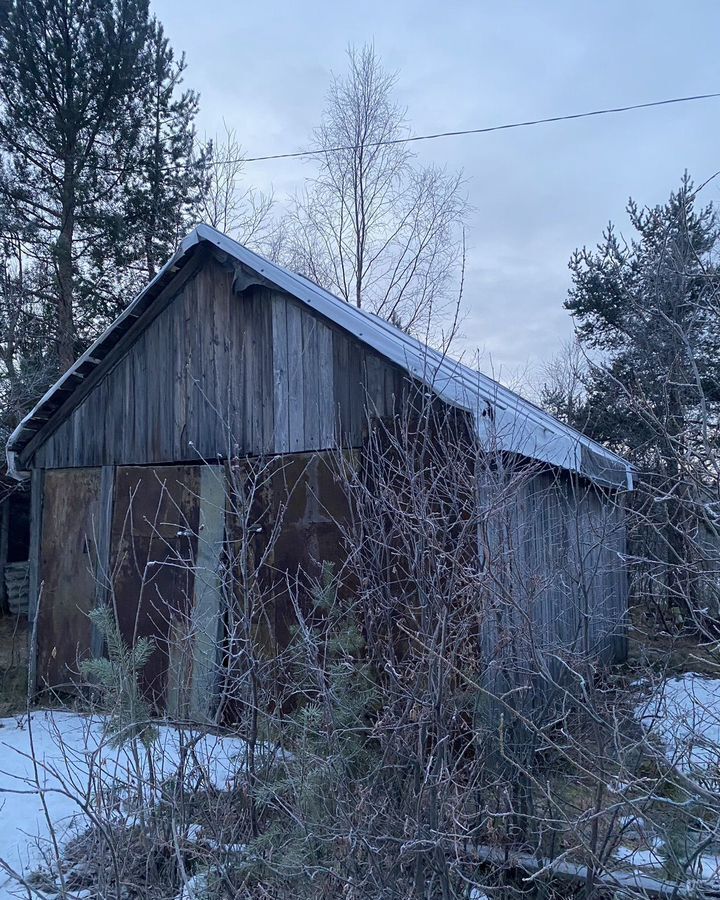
column 13, row 470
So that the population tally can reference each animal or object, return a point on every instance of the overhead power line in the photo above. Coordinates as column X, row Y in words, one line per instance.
column 445, row 134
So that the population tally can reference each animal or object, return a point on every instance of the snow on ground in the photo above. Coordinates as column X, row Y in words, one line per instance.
column 706, row 868
column 684, row 713
column 67, row 746
column 195, row 889
column 643, row 858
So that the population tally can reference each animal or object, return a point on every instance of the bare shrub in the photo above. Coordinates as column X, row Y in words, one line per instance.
column 435, row 717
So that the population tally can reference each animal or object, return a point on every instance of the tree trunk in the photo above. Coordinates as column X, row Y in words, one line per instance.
column 64, row 270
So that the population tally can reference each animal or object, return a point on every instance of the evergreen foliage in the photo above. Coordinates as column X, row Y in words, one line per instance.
column 647, row 315
column 100, row 175
column 167, row 186
column 117, row 677
column 71, row 86
column 329, row 738
column 647, row 307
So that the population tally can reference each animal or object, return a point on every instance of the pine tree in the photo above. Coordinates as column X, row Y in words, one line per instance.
column 71, row 88
column 647, row 311
column 643, row 307
column 163, row 196
column 117, row 676
column 25, row 327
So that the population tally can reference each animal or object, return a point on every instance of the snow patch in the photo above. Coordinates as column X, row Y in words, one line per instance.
column 684, row 714
column 68, row 747
column 195, row 889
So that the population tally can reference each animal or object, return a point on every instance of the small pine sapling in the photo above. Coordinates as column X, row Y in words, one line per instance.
column 117, row 676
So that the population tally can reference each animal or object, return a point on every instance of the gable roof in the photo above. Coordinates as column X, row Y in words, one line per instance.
column 514, row 424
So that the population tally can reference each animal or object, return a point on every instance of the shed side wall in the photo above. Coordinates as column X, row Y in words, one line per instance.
column 560, row 546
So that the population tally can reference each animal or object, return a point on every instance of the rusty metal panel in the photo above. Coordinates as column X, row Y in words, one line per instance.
column 67, row 563
column 154, row 547
column 305, row 494
column 292, row 529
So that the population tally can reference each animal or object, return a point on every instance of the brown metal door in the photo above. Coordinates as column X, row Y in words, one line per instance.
column 71, row 506
column 153, row 552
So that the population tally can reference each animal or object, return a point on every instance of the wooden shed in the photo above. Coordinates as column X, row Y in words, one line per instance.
column 227, row 355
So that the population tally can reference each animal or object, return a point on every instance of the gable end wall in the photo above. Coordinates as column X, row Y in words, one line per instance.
column 219, row 373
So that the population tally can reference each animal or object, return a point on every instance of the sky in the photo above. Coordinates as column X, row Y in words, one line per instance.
column 535, row 194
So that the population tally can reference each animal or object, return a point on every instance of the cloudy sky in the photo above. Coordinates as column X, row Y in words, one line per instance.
column 536, row 193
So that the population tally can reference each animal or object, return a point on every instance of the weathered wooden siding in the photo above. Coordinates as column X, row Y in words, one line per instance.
column 217, row 373
column 560, row 550
column 70, row 519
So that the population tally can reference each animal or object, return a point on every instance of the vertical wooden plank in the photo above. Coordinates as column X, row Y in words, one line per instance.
column 296, row 387
column 37, row 479
column 255, row 315
column 168, row 426
column 223, row 386
column 266, row 373
column 356, row 390
column 221, row 297
column 326, row 388
column 73, row 438
column 76, row 441
column 205, row 356
column 95, row 420
column 341, row 391
column 217, row 374
column 203, row 367
column 139, row 402
column 189, row 326
column 153, row 387
column 311, row 371
column 233, row 353
column 62, row 444
column 249, row 376
column 236, row 349
column 375, row 385
column 41, row 455
column 394, row 381
column 91, row 433
column 67, row 443
column 121, row 380
column 102, row 532
column 207, row 601
column 280, row 373
column 177, row 311
column 139, row 446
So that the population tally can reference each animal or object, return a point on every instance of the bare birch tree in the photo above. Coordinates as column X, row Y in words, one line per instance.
column 233, row 208
column 373, row 226
column 562, row 383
